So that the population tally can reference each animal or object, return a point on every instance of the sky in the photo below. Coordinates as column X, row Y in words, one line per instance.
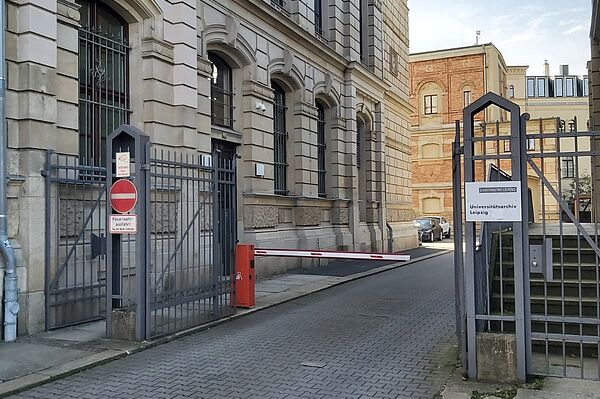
column 527, row 32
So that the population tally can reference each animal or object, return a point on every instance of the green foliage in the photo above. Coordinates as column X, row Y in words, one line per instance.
column 583, row 185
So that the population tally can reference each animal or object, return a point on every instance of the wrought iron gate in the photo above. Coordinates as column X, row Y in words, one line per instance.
column 75, row 226
column 537, row 280
column 176, row 273
column 192, row 239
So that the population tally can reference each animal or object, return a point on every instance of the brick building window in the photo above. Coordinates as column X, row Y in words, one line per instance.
column 568, row 167
column 430, row 104
column 279, row 140
column 466, row 98
column 103, row 79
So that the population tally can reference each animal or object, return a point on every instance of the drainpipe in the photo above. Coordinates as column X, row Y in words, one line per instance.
column 11, row 306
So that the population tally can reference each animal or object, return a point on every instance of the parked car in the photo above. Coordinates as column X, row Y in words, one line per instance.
column 446, row 232
column 430, row 230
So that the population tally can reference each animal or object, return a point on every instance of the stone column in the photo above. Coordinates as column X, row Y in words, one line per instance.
column 375, row 37
column 304, row 150
column 335, row 25
column 180, row 24
column 348, row 111
column 257, row 138
column 302, row 12
column 33, row 126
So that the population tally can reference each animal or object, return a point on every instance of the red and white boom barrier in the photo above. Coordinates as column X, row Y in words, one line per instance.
column 330, row 254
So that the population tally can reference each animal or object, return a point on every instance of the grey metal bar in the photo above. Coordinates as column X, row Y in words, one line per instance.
column 566, row 209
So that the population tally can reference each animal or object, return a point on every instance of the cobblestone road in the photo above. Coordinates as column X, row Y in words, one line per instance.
column 379, row 337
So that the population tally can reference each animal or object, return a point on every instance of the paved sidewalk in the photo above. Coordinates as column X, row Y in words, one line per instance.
column 48, row 356
column 547, row 388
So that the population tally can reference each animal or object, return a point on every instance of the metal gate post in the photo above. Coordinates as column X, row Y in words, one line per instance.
column 469, row 264
column 521, row 251
column 129, row 139
column 526, row 356
column 520, row 231
column 459, row 278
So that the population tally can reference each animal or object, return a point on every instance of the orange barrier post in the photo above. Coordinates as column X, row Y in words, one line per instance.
column 245, row 277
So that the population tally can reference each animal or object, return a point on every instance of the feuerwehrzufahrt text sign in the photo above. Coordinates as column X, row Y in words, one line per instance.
column 493, row 201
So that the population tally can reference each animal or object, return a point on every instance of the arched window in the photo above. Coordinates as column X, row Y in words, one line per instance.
column 221, row 92
column 103, row 79
column 321, row 148
column 511, row 91
column 279, row 140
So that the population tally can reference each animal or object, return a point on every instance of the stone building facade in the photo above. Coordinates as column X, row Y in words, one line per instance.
column 312, row 95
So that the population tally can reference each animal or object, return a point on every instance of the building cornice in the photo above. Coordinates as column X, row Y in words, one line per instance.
column 289, row 28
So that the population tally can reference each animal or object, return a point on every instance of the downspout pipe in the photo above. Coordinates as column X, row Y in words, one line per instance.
column 11, row 306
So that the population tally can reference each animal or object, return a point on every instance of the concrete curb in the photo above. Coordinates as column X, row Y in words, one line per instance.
column 53, row 373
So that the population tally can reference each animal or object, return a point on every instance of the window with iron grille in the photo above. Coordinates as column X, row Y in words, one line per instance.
column 321, row 148
column 568, row 167
column 363, row 25
column 319, row 17
column 221, row 92
column 279, row 140
column 103, row 79
column 431, row 104
column 360, row 135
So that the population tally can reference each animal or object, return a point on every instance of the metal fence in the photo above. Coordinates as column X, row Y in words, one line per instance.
column 537, row 279
column 75, row 226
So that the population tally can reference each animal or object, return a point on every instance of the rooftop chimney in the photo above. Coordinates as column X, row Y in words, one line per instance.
column 546, row 68
column 564, row 69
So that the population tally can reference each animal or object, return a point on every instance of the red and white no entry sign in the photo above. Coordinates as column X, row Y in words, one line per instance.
column 123, row 196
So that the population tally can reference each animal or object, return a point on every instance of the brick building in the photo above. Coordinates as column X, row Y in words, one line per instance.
column 312, row 97
column 441, row 84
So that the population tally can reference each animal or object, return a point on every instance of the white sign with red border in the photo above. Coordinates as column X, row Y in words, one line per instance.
column 123, row 224
column 123, row 196
column 122, row 164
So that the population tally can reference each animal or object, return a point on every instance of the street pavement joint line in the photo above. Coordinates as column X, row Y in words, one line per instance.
column 314, row 364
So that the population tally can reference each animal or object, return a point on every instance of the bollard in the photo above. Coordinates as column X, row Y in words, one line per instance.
column 245, row 277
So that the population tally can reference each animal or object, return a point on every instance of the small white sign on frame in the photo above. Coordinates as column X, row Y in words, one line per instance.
column 123, row 224
column 493, row 201
column 122, row 164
